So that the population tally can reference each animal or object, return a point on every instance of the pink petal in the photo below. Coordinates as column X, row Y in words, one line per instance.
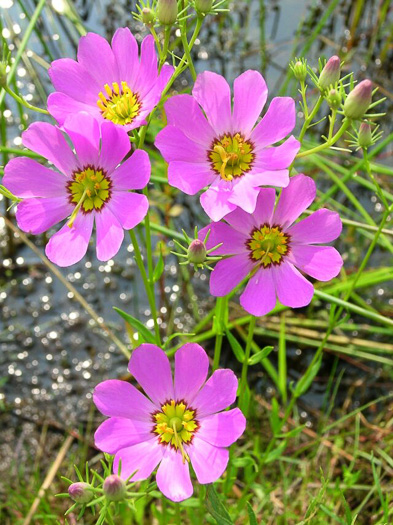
column 263, row 177
column 148, row 71
column 278, row 158
column 321, row 262
column 69, row 245
column 110, row 234
column 228, row 273
column 244, row 194
column 96, row 57
column 143, row 457
column 321, row 226
column 216, row 203
column 242, row 221
column 152, row 97
column 48, row 141
column 223, row 429
column 125, row 49
column 213, row 93
column 60, row 106
column 209, row 462
column 259, row 296
column 250, row 94
column 38, row 215
column 183, row 112
column 233, row 242
column 71, row 78
column 174, row 145
column 84, row 131
column 191, row 367
column 278, row 122
column 129, row 208
column 26, row 178
column 150, row 367
column 116, row 433
column 173, row 476
column 294, row 199
column 189, row 177
column 133, row 173
column 115, row 398
column 292, row 288
column 265, row 205
column 217, row 394
column 115, row 144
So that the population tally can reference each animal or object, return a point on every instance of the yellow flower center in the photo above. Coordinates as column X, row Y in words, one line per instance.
column 119, row 104
column 268, row 245
column 90, row 189
column 231, row 156
column 175, row 425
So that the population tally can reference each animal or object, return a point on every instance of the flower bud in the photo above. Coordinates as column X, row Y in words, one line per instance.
column 196, row 252
column 365, row 138
column 358, row 100
column 203, row 6
column 147, row 16
column 330, row 74
column 299, row 70
column 80, row 492
column 114, row 488
column 167, row 12
column 333, row 98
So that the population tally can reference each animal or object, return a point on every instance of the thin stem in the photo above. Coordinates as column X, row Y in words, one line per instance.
column 346, row 123
column 373, row 179
column 165, row 47
column 310, row 117
column 149, row 291
column 187, row 51
column 220, row 312
column 24, row 102
column 243, row 381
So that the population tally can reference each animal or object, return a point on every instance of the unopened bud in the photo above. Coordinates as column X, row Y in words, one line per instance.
column 147, row 16
column 299, row 70
column 365, row 138
column 167, row 12
column 333, row 98
column 196, row 252
column 203, row 6
column 114, row 488
column 80, row 492
column 359, row 100
column 330, row 74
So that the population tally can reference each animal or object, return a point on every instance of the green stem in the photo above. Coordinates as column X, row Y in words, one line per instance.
column 310, row 117
column 373, row 179
column 187, row 51
column 165, row 47
column 220, row 312
column 149, row 291
column 243, row 381
column 346, row 123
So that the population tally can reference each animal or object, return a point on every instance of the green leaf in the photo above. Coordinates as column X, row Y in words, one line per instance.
column 145, row 334
column 177, row 334
column 305, row 381
column 236, row 346
column 277, row 452
column 259, row 356
column 251, row 515
column 159, row 268
column 216, row 508
column 274, row 417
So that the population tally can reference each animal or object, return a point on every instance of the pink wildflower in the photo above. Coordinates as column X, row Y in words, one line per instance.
column 267, row 245
column 91, row 186
column 182, row 422
column 108, row 81
column 223, row 150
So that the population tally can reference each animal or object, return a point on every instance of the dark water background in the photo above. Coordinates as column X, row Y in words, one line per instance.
column 51, row 353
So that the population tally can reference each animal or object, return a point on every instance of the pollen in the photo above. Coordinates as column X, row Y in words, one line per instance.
column 268, row 245
column 118, row 103
column 90, row 188
column 231, row 156
column 175, row 425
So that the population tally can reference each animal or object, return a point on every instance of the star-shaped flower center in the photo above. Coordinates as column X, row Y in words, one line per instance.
column 119, row 104
column 231, row 156
column 89, row 189
column 268, row 245
column 175, row 425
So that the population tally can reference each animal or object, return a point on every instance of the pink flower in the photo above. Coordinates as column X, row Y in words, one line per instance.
column 180, row 421
column 268, row 245
column 91, row 186
column 109, row 82
column 223, row 150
